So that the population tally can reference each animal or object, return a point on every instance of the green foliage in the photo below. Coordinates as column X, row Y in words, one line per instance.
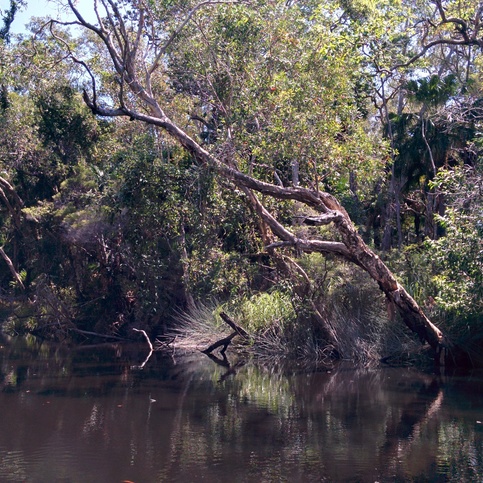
column 458, row 255
column 433, row 90
column 283, row 85
column 65, row 124
column 459, row 258
column 179, row 223
column 266, row 310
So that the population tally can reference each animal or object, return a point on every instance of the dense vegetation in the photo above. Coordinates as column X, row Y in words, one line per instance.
column 108, row 223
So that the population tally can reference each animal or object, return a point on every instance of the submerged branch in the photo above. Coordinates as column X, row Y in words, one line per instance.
column 225, row 342
column 151, row 348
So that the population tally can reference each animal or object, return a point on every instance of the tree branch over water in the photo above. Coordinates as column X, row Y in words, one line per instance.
column 150, row 345
column 130, row 49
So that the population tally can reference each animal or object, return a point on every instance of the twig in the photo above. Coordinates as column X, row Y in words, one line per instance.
column 164, row 343
column 147, row 338
column 151, row 349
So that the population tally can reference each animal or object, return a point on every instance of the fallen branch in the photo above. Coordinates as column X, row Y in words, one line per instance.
column 146, row 337
column 233, row 325
column 151, row 348
column 226, row 341
column 93, row 334
column 160, row 344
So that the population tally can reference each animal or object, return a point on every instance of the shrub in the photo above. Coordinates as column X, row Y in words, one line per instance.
column 264, row 310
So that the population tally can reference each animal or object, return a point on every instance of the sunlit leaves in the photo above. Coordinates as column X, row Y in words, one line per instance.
column 458, row 255
column 281, row 84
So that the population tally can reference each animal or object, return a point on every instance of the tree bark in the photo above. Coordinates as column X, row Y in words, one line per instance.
column 12, row 269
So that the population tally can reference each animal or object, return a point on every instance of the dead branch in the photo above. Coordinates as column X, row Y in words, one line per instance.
column 12, row 269
column 226, row 341
column 151, row 348
column 233, row 325
column 325, row 219
column 466, row 33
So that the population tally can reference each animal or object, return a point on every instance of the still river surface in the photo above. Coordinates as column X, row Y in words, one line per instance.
column 92, row 415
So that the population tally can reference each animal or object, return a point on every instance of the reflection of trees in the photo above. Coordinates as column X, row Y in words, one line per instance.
column 184, row 419
column 78, row 406
column 345, row 426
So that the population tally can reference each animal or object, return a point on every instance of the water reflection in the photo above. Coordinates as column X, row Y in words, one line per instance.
column 87, row 414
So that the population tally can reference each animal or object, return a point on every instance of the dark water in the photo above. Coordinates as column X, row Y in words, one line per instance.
column 91, row 415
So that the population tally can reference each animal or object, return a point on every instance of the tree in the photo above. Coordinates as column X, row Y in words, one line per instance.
column 458, row 255
column 8, row 16
column 424, row 67
column 139, row 39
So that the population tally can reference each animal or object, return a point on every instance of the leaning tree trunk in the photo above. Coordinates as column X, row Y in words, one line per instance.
column 352, row 248
column 126, row 53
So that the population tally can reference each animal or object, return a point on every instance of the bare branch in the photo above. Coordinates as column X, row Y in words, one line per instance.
column 320, row 220
column 151, row 348
column 123, row 38
column 75, row 59
column 320, row 246
column 99, row 19
column 226, row 341
column 101, row 32
column 432, row 44
column 463, row 26
column 467, row 34
column 139, row 35
column 83, row 22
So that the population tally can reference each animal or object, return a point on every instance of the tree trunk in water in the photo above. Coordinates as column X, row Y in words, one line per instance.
column 352, row 248
column 129, row 62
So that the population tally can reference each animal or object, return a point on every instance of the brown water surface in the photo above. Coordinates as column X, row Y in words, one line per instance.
column 92, row 415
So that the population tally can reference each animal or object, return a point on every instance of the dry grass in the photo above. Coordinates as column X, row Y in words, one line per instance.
column 198, row 327
column 356, row 313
